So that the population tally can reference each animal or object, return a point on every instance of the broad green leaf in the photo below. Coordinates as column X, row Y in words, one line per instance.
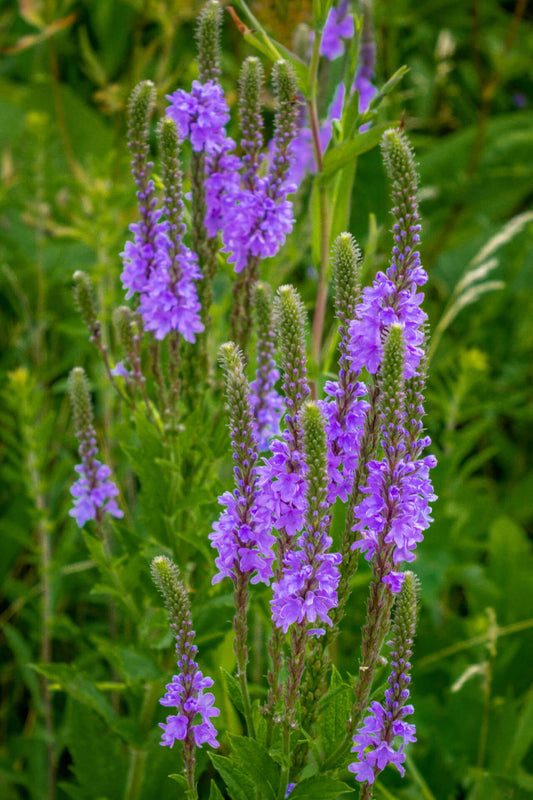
column 335, row 709
column 240, row 787
column 80, row 687
column 320, row 787
column 99, row 760
column 260, row 767
column 233, row 689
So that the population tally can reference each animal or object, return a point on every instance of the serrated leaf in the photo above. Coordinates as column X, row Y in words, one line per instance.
column 260, row 767
column 233, row 689
column 239, row 785
column 320, row 787
column 80, row 687
column 180, row 779
column 335, row 710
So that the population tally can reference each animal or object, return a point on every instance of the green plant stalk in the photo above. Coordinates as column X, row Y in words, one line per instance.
column 325, row 218
column 241, row 653
column 137, row 767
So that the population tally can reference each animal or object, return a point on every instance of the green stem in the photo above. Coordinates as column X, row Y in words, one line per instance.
column 325, row 220
column 240, row 627
column 137, row 766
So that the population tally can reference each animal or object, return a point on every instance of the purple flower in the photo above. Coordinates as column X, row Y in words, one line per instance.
column 242, row 535
column 308, row 589
column 374, row 741
column 282, row 486
column 222, row 184
column 200, row 115
column 186, row 694
column 339, row 26
column 170, row 301
column 256, row 224
column 93, row 493
column 140, row 255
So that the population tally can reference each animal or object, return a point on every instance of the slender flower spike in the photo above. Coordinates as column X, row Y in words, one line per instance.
column 242, row 534
column 186, row 692
column 266, row 402
column 208, row 41
column 170, row 301
column 283, row 474
column 251, row 122
column 257, row 220
column 395, row 512
column 344, row 410
column 140, row 255
column 393, row 297
column 374, row 741
column 308, row 589
column 94, row 494
column 84, row 294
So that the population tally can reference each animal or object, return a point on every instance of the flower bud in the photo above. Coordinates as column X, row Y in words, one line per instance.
column 346, row 259
column 208, row 41
column 290, row 313
column 81, row 400
column 124, row 329
column 83, row 292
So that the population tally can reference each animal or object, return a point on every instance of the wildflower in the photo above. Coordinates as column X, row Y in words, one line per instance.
column 94, row 494
column 186, row 691
column 374, row 741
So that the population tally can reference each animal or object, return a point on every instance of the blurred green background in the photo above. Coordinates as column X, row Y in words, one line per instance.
column 66, row 199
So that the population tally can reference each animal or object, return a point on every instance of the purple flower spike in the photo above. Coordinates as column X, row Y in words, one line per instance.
column 192, row 723
column 94, row 494
column 374, row 741
column 242, row 535
column 307, row 590
column 266, row 402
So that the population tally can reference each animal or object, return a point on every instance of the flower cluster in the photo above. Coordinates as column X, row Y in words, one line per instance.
column 201, row 115
column 393, row 297
column 242, row 533
column 94, row 494
column 373, row 742
column 307, row 590
column 266, row 402
column 258, row 216
column 339, row 25
column 186, row 692
column 157, row 264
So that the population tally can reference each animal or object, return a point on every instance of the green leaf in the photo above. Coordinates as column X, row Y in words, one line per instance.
column 98, row 756
column 240, row 787
column 78, row 686
column 214, row 792
column 320, row 787
column 233, row 689
column 260, row 767
column 335, row 710
column 180, row 779
column 344, row 153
